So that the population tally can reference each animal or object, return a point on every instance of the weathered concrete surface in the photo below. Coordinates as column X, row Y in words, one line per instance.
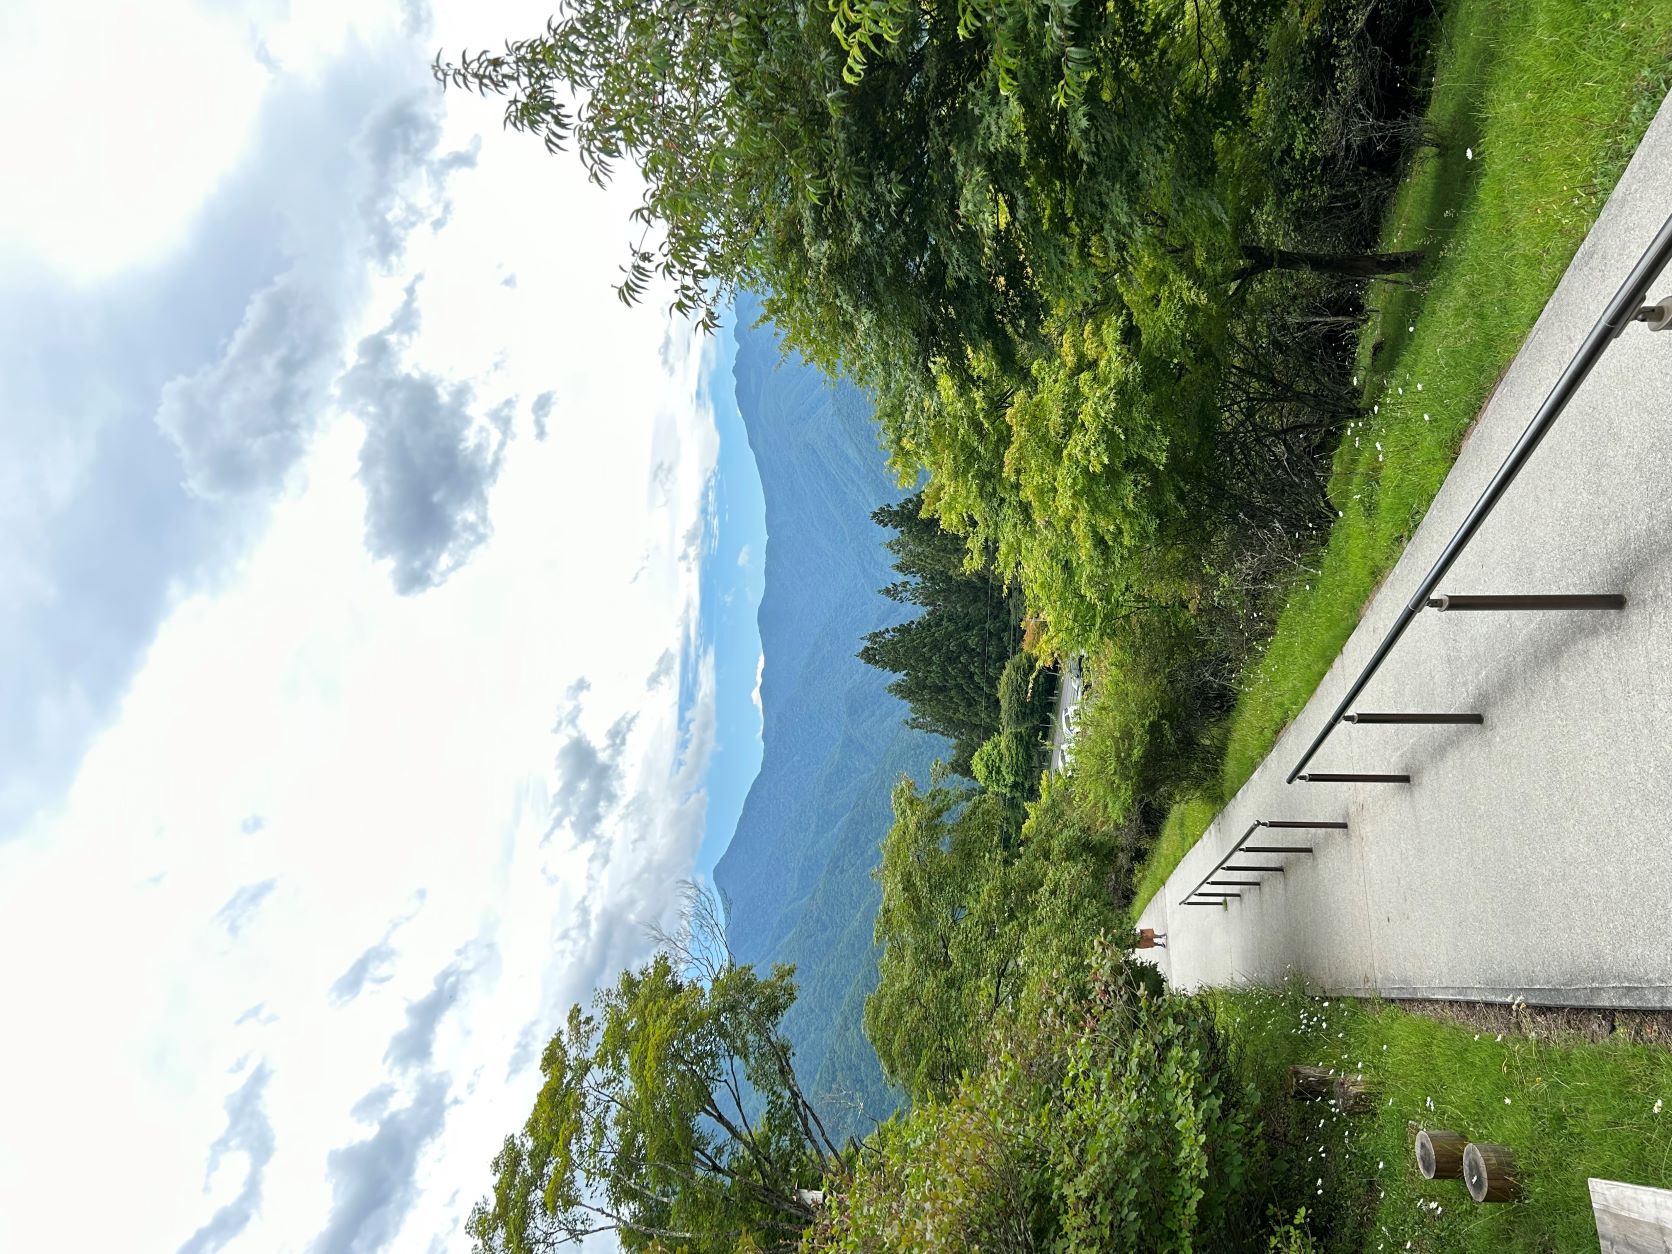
column 1532, row 856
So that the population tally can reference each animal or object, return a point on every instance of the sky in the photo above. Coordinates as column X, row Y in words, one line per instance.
column 367, row 587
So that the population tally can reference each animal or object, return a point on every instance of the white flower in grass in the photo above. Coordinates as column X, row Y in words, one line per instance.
column 1419, row 387
column 1430, row 1102
column 1506, row 1101
column 1469, row 153
column 1656, row 1109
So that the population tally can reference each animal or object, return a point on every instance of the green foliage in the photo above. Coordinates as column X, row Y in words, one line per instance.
column 1081, row 481
column 1111, row 1120
column 951, row 657
column 1150, row 1147
column 950, row 902
column 1010, row 762
column 976, row 917
column 911, row 183
column 1293, row 1237
column 640, row 1126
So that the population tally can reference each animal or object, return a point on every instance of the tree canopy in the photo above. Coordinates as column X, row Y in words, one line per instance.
column 950, row 656
column 907, row 181
column 670, row 1115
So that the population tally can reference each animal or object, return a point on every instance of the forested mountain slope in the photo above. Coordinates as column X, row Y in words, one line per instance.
column 797, row 872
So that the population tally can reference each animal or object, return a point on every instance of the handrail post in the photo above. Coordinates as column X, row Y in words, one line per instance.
column 1615, row 316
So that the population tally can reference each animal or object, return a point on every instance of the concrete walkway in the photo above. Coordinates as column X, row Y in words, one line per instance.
column 1531, row 856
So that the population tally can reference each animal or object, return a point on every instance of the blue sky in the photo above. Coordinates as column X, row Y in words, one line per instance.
column 732, row 582
column 368, row 677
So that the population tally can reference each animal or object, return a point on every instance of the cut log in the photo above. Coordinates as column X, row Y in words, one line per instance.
column 1440, row 1154
column 1489, row 1172
column 1354, row 1094
column 1632, row 1218
column 1311, row 1081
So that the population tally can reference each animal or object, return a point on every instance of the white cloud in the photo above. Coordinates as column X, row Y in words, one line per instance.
column 222, row 917
column 136, row 111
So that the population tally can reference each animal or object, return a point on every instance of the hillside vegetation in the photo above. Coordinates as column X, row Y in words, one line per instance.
column 1172, row 313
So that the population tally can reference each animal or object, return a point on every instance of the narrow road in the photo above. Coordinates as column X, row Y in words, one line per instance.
column 1530, row 856
column 1069, row 692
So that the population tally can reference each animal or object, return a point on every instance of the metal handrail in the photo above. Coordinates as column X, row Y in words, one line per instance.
column 1242, row 846
column 1625, row 307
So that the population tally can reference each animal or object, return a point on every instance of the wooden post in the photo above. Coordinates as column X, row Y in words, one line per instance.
column 1440, row 1154
column 1354, row 1094
column 1632, row 1218
column 1310, row 1081
column 1489, row 1171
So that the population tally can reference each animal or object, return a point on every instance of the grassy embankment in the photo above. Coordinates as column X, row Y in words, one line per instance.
column 1536, row 107
column 1568, row 1108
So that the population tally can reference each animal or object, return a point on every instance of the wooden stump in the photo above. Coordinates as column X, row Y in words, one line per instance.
column 1489, row 1171
column 1354, row 1094
column 1310, row 1081
column 1440, row 1154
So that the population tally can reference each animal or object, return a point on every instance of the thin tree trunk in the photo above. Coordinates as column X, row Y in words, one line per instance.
column 1353, row 265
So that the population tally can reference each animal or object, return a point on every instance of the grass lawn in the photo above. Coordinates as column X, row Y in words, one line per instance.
column 1569, row 1110
column 1536, row 107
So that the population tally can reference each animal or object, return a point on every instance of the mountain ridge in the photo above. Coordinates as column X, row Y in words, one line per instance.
column 797, row 874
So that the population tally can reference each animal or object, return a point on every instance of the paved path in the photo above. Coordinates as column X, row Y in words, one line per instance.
column 1531, row 856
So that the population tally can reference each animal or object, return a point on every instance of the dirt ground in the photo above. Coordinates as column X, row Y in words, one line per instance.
column 1555, row 1024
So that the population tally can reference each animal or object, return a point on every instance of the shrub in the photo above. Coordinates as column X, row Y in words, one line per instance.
column 1009, row 762
column 1110, row 1121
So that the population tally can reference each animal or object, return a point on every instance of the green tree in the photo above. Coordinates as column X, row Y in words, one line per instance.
column 1010, row 762
column 949, row 924
column 949, row 658
column 643, row 1126
column 1110, row 1118
column 1090, row 481
column 978, row 919
column 913, row 180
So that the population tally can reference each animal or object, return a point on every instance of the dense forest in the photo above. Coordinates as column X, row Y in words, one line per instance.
column 1114, row 277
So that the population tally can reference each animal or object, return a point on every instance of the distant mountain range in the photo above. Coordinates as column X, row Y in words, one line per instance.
column 797, row 874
